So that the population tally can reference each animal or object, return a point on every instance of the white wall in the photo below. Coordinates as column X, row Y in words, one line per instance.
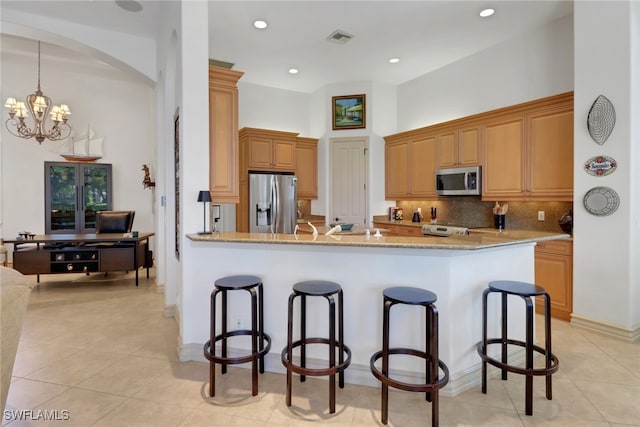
column 118, row 105
column 269, row 108
column 536, row 64
column 634, row 253
column 606, row 277
column 168, row 93
column 194, row 150
column 310, row 115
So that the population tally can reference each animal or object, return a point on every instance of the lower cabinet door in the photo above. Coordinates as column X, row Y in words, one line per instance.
column 117, row 259
column 31, row 261
column 554, row 273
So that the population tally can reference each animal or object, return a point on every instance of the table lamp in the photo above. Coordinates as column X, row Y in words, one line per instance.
column 205, row 197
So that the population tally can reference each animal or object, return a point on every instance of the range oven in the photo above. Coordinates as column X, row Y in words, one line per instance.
column 459, row 181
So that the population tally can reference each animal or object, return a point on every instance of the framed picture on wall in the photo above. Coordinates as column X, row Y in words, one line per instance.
column 176, row 151
column 348, row 112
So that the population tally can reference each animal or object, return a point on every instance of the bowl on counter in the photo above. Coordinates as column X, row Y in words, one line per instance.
column 343, row 227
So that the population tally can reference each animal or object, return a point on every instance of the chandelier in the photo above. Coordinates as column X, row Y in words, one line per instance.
column 39, row 105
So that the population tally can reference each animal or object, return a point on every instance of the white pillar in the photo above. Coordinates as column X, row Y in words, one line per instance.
column 606, row 274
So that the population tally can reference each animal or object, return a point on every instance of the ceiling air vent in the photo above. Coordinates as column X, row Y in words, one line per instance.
column 339, row 37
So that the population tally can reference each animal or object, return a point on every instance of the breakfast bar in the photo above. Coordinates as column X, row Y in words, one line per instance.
column 456, row 268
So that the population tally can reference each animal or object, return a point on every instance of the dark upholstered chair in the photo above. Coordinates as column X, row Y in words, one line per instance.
column 114, row 221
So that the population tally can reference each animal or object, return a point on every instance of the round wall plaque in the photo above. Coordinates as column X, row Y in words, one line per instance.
column 601, row 201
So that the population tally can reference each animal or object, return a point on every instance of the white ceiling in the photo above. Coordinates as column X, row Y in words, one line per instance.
column 424, row 34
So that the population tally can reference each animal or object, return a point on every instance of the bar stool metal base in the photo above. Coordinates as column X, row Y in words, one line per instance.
column 525, row 291
column 327, row 290
column 433, row 365
column 259, row 338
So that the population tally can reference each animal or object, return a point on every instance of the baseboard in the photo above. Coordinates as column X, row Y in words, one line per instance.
column 356, row 373
column 159, row 288
column 170, row 310
column 616, row 331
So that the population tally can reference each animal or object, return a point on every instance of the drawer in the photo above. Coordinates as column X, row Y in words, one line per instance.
column 560, row 247
column 411, row 231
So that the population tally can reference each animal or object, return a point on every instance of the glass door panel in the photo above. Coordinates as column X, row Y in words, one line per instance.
column 62, row 200
column 73, row 194
column 95, row 194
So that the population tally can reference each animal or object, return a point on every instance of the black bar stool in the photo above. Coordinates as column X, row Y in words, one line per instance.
column 433, row 382
column 258, row 337
column 317, row 288
column 524, row 291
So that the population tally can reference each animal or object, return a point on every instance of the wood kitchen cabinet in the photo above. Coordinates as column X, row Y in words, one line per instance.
column 504, row 162
column 268, row 150
column 400, row 229
column 459, row 147
column 410, row 166
column 265, row 150
column 396, row 169
column 307, row 167
column 554, row 272
column 223, row 135
column 528, row 155
column 525, row 150
column 550, row 152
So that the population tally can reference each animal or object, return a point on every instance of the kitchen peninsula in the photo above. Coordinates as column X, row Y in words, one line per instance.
column 456, row 268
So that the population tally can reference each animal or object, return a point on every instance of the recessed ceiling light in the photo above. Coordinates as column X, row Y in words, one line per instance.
column 485, row 13
column 129, row 5
column 260, row 24
column 394, row 60
column 293, row 71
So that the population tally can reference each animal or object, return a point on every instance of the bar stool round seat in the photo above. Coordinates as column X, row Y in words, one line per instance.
column 327, row 290
column 434, row 382
column 253, row 285
column 525, row 291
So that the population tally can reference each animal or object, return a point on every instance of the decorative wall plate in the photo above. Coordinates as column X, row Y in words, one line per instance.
column 601, row 201
column 601, row 119
column 600, row 165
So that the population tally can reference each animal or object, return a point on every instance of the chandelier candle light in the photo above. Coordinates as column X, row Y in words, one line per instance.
column 38, row 105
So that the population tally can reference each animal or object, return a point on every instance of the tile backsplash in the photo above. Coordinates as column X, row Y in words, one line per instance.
column 473, row 212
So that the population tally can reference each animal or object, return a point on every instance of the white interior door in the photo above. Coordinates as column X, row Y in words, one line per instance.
column 348, row 180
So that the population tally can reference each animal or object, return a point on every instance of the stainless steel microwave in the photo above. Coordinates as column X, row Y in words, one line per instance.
column 459, row 181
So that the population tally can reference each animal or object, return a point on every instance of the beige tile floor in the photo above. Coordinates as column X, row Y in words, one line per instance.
column 99, row 352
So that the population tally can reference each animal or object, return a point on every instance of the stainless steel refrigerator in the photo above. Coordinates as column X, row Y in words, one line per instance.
column 272, row 203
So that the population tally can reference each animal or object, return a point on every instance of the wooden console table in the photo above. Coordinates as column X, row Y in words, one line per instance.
column 81, row 253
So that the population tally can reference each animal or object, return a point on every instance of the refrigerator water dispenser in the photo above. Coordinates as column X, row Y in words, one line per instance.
column 263, row 214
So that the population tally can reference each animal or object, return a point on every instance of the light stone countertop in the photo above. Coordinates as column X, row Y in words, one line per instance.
column 475, row 240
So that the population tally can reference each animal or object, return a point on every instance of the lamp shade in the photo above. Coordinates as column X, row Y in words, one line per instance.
column 204, row 196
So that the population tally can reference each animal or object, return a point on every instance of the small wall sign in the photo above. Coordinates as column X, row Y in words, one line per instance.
column 600, row 166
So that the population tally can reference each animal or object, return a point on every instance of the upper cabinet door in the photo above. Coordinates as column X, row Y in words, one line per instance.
column 469, row 146
column 459, row 147
column 284, row 155
column 551, row 153
column 307, row 167
column 260, row 153
column 504, row 159
column 447, row 150
column 74, row 192
column 396, row 169
column 223, row 135
column 422, row 178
